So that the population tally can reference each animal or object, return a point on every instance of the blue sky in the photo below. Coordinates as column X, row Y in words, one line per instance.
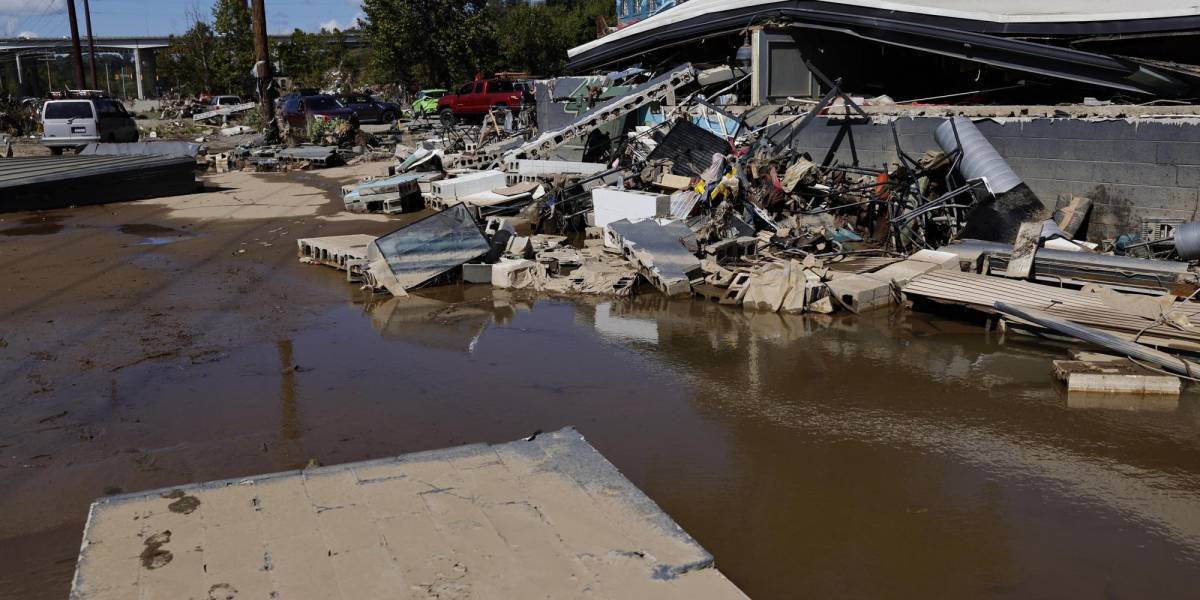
column 48, row 18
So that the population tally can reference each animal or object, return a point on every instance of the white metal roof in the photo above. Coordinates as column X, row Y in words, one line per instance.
column 1034, row 11
column 995, row 11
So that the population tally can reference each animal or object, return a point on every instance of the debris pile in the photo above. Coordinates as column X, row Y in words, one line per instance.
column 655, row 189
column 18, row 117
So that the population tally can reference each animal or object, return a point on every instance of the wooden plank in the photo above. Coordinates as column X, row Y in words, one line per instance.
column 1020, row 264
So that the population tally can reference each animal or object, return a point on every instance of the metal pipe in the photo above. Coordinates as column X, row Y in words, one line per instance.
column 1187, row 240
column 979, row 158
column 1103, row 339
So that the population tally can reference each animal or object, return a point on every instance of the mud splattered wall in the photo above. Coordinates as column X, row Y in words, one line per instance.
column 1136, row 172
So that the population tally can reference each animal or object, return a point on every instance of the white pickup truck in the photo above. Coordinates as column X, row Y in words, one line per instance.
column 78, row 122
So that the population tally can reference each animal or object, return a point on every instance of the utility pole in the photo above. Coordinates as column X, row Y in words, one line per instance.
column 87, row 19
column 75, row 45
column 262, row 71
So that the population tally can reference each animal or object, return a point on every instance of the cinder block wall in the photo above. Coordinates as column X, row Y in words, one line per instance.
column 1134, row 172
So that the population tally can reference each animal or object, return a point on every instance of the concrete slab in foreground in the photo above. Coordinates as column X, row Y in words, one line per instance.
column 548, row 518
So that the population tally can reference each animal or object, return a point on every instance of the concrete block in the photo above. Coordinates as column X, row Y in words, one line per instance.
column 611, row 204
column 1033, row 168
column 1118, row 151
column 548, row 168
column 1116, row 172
column 1150, row 196
column 917, row 126
column 1167, row 132
column 343, row 252
column 477, row 273
column 1187, row 176
column 861, row 293
column 515, row 274
column 1093, row 130
column 1032, row 148
column 449, row 190
column 1118, row 376
column 917, row 143
column 1178, row 153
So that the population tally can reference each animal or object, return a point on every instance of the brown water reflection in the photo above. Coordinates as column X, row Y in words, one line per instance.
column 883, row 456
column 891, row 455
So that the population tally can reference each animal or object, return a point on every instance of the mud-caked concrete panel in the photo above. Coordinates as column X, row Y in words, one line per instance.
column 546, row 517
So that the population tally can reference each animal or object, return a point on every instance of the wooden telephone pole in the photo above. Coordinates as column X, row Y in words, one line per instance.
column 87, row 19
column 79, row 84
column 262, row 71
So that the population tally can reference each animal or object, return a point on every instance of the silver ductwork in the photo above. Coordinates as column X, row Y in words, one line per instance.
column 979, row 158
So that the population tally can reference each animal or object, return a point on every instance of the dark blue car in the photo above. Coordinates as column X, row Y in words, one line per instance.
column 369, row 109
column 297, row 111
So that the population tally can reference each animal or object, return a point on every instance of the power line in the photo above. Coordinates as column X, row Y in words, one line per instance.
column 41, row 17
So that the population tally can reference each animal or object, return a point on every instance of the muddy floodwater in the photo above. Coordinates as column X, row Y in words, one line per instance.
column 891, row 455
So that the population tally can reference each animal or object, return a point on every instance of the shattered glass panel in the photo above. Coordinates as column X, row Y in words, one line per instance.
column 430, row 247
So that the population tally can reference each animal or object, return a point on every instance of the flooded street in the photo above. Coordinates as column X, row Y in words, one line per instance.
column 890, row 455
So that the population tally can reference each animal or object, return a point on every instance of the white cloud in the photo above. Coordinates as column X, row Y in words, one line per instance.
column 27, row 35
column 330, row 25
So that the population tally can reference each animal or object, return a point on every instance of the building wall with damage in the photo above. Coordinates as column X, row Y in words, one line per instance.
column 1136, row 172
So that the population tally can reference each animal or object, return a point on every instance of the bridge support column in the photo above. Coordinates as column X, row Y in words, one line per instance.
column 20, row 77
column 145, row 69
column 137, row 73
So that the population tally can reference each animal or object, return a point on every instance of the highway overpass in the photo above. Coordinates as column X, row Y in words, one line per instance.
column 143, row 48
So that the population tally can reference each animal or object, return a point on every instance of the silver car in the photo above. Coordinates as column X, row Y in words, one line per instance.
column 79, row 122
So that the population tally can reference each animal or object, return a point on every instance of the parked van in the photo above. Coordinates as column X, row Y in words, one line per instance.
column 78, row 122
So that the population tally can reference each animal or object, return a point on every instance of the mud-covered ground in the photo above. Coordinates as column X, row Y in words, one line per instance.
column 150, row 344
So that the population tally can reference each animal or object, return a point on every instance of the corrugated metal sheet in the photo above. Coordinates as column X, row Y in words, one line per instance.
column 689, row 147
column 40, row 182
column 861, row 264
column 160, row 148
column 35, row 169
column 982, row 292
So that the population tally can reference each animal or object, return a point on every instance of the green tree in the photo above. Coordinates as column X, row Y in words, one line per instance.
column 536, row 38
column 429, row 42
column 308, row 58
column 234, row 47
column 187, row 64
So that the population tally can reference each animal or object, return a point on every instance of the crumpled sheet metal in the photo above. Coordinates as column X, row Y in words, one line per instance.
column 411, row 256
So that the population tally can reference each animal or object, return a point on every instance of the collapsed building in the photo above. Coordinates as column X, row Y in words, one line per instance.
column 644, row 181
column 915, row 50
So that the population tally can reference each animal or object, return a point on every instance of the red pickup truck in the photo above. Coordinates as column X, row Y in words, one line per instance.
column 474, row 99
